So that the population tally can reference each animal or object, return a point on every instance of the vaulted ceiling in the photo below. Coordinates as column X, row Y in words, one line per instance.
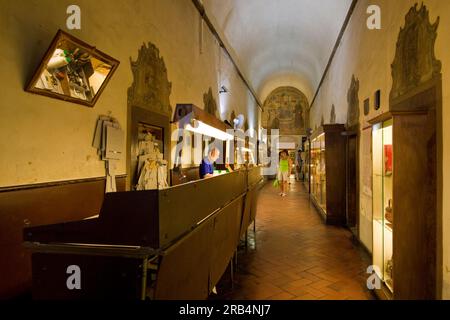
column 279, row 42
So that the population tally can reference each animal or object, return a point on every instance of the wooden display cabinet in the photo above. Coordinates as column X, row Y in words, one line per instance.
column 405, row 167
column 327, row 172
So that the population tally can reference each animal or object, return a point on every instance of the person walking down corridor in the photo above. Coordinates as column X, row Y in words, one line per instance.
column 284, row 172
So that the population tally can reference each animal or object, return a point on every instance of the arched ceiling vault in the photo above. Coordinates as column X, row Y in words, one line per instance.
column 279, row 42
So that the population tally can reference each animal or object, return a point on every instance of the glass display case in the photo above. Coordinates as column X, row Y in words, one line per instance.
column 328, row 172
column 406, row 178
column 383, row 215
column 306, row 157
column 318, row 171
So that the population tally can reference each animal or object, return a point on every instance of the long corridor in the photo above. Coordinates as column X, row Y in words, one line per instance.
column 296, row 256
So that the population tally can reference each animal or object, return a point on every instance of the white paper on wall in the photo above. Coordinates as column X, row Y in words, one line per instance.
column 111, row 167
column 114, row 143
column 108, row 140
column 103, row 143
column 97, row 141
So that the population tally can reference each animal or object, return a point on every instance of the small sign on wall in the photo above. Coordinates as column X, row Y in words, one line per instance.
column 366, row 106
column 377, row 100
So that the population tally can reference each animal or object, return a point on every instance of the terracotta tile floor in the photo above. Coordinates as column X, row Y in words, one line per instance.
column 295, row 255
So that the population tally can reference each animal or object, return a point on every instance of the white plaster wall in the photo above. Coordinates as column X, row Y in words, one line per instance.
column 276, row 42
column 44, row 139
column 368, row 54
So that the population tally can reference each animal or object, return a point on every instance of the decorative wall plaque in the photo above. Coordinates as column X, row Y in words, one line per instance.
column 333, row 115
column 232, row 117
column 353, row 103
column 415, row 61
column 210, row 103
column 150, row 89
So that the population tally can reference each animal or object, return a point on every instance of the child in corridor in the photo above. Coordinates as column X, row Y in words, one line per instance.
column 284, row 170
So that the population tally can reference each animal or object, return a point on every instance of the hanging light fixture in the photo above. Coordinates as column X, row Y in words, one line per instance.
column 200, row 127
column 191, row 118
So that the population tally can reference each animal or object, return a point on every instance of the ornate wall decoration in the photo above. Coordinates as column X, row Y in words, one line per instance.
column 210, row 105
column 150, row 88
column 353, row 103
column 333, row 115
column 232, row 117
column 230, row 120
column 286, row 109
column 415, row 61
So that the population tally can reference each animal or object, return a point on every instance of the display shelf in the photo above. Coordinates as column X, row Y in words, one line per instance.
column 327, row 173
column 382, row 168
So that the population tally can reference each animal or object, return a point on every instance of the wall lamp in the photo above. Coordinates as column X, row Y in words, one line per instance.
column 200, row 127
column 194, row 119
column 223, row 89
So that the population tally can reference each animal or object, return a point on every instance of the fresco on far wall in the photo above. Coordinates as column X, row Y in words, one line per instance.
column 286, row 109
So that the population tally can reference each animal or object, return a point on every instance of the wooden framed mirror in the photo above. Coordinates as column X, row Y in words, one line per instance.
column 73, row 71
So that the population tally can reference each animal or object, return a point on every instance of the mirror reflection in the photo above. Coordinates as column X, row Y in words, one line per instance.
column 73, row 72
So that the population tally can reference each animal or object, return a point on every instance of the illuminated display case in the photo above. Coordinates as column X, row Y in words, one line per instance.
column 318, row 171
column 306, row 166
column 404, row 173
column 327, row 172
column 383, row 215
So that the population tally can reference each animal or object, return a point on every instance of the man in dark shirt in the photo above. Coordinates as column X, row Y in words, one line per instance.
column 207, row 166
